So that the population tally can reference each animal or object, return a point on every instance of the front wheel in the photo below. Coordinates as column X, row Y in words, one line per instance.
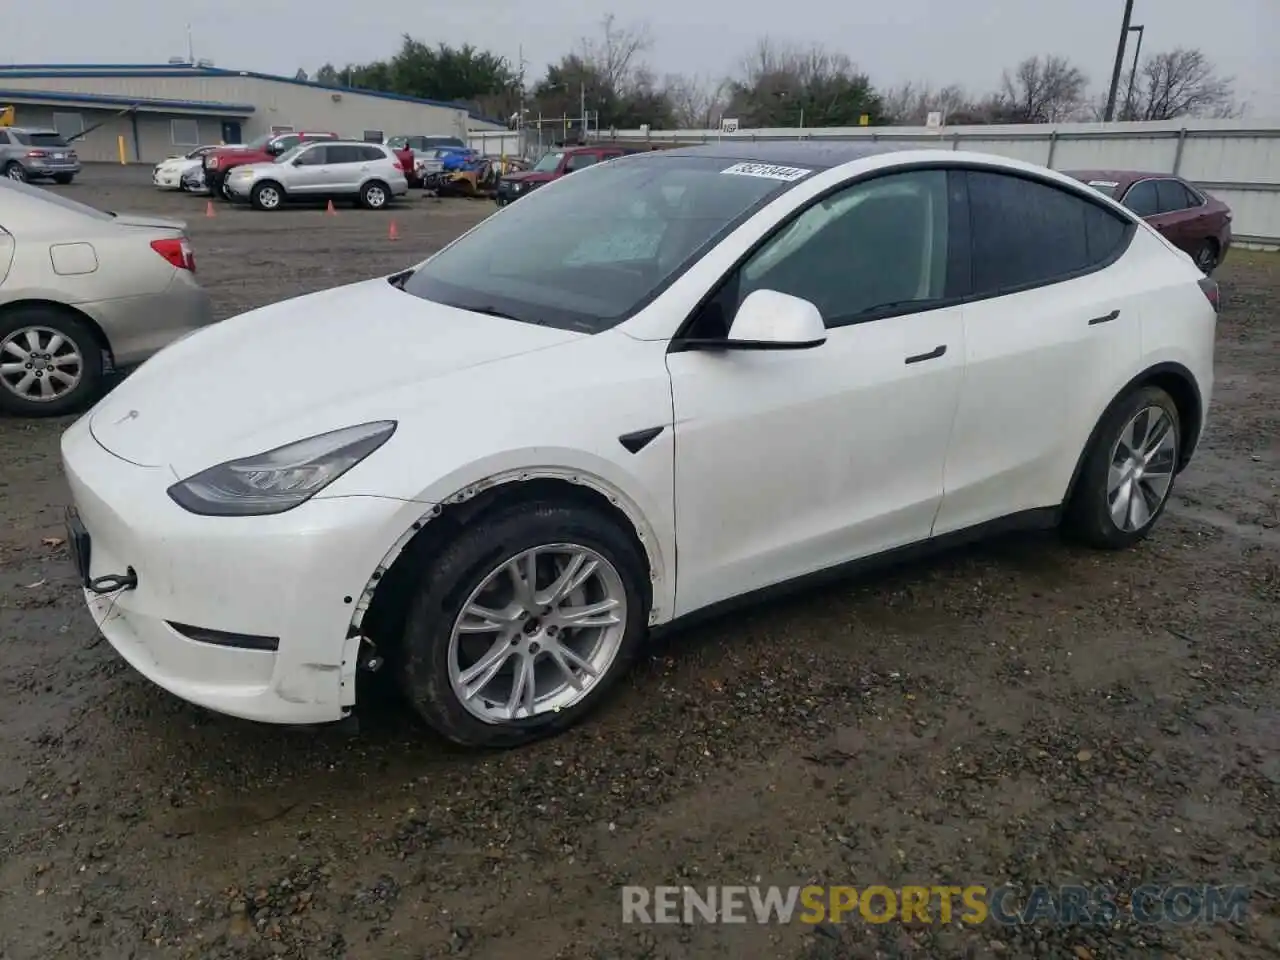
column 523, row 624
column 1206, row 257
column 266, row 196
column 50, row 363
column 1128, row 472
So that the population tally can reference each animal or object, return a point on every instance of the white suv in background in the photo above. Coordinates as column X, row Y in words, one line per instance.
column 368, row 173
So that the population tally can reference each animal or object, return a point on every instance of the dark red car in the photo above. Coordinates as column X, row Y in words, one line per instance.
column 1186, row 216
column 554, row 165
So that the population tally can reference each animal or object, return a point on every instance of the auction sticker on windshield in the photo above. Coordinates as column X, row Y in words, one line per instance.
column 788, row 174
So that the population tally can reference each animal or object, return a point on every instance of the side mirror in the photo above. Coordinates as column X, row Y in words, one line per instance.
column 769, row 320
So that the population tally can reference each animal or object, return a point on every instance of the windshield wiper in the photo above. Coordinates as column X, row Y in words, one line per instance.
column 492, row 312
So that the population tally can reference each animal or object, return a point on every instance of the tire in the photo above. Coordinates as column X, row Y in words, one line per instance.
column 20, row 396
column 430, row 660
column 63, row 178
column 1089, row 517
column 267, row 195
column 16, row 171
column 375, row 195
column 1206, row 257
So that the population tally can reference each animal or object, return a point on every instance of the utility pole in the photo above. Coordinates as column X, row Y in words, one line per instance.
column 582, row 104
column 191, row 47
column 1119, row 64
column 520, row 148
column 1133, row 72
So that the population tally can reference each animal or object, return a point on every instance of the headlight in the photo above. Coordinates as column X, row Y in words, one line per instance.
column 279, row 479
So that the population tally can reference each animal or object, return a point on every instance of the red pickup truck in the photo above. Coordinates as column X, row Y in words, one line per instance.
column 218, row 163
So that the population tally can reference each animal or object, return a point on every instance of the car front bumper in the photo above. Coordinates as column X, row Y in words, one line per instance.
column 215, row 594
column 166, row 179
column 137, row 327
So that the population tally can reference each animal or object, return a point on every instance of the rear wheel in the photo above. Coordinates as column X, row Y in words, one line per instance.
column 523, row 624
column 1128, row 472
column 16, row 171
column 50, row 363
column 374, row 195
column 267, row 196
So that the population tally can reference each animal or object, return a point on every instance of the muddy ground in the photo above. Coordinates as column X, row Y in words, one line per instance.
column 1016, row 713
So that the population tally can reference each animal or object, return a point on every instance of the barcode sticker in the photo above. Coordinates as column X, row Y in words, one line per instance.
column 769, row 171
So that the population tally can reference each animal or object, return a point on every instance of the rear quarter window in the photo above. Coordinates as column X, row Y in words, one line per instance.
column 1025, row 233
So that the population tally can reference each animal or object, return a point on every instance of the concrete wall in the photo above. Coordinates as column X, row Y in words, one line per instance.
column 276, row 103
column 1237, row 161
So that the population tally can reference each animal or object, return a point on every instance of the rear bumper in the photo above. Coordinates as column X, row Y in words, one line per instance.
column 36, row 168
column 137, row 327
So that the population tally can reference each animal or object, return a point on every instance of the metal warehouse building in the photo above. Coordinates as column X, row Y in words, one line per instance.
column 163, row 109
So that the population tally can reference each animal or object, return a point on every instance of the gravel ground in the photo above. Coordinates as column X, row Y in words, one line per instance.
column 1019, row 712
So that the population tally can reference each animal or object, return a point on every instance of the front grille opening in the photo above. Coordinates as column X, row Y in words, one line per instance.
column 220, row 638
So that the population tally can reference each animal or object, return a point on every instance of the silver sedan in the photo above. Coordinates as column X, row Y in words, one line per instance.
column 84, row 293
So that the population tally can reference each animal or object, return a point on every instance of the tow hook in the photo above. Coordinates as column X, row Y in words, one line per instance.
column 370, row 661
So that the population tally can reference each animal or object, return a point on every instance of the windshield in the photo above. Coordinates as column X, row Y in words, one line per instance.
column 548, row 163
column 260, row 143
column 589, row 250
column 398, row 143
column 290, row 154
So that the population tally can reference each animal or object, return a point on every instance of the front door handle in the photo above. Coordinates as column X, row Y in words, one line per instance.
column 933, row 354
column 1104, row 319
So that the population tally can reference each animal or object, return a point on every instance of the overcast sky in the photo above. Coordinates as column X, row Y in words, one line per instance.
column 941, row 41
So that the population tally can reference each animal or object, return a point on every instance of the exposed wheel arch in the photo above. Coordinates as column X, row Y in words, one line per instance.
column 1175, row 380
column 381, row 609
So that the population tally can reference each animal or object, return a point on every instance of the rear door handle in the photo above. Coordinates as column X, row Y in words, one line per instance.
column 933, row 354
column 1105, row 319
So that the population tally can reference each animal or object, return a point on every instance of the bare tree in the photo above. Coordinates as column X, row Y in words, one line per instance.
column 1179, row 83
column 614, row 54
column 1043, row 90
column 801, row 86
column 696, row 103
column 910, row 104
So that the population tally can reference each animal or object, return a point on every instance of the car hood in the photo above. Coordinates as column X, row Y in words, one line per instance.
column 524, row 176
column 296, row 369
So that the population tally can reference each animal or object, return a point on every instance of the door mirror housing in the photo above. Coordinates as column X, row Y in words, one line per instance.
column 769, row 320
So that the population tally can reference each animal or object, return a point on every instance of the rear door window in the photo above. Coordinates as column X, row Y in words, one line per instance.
column 1143, row 199
column 1172, row 195
column 344, row 153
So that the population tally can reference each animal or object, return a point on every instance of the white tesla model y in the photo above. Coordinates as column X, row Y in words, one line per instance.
column 654, row 386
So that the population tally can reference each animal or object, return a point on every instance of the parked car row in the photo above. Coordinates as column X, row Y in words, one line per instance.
column 792, row 312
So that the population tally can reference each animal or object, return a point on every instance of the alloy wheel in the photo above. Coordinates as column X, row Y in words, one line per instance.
column 269, row 198
column 1141, row 468
column 16, row 172
column 39, row 364
column 537, row 634
column 374, row 197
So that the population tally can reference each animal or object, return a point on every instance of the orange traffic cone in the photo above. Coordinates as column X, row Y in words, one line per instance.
column 392, row 232
column 209, row 211
column 330, row 211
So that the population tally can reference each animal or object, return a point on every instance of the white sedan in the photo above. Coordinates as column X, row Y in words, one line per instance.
column 666, row 382
column 167, row 174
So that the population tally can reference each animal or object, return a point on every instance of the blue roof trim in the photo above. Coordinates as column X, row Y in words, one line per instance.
column 40, row 71
column 62, row 96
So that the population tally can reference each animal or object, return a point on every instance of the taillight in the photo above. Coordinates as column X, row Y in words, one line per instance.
column 177, row 251
column 398, row 165
column 1210, row 288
